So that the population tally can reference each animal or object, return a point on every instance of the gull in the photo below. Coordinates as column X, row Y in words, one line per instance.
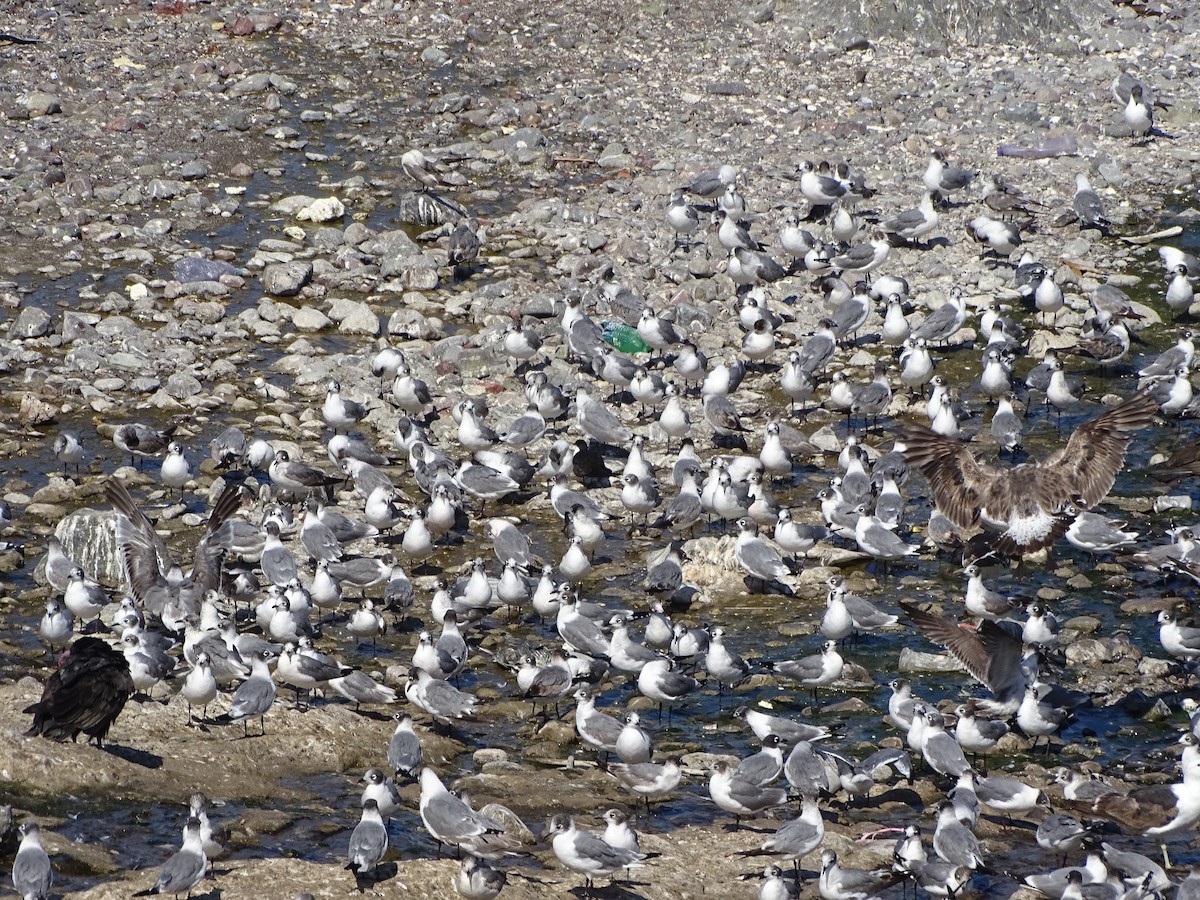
column 633, row 743
column 913, row 224
column 57, row 625
column 846, row 613
column 598, row 422
column 476, row 880
column 739, row 796
column 1005, row 424
column 659, row 681
column 941, row 750
column 1009, row 795
column 141, row 441
column 1180, row 292
column 838, row 883
column 404, row 753
column 550, row 683
column 83, row 597
column 857, row 778
column 791, row 732
column 256, row 694
column 144, row 555
column 69, row 451
column 954, row 842
column 1181, row 641
column 722, row 663
column 410, row 393
column 381, row 790
column 1037, row 717
column 31, row 871
column 756, row 558
column 619, row 833
column 1139, row 112
column 1024, row 502
column 442, row 700
column 819, row 188
column 712, row 183
column 976, row 735
column 991, row 654
column 386, row 362
column 796, row 537
column 338, row 412
column 876, row 539
column 764, row 767
column 865, row 257
column 462, row 249
column 626, row 654
column 1061, row 834
column 1002, row 238
column 944, row 322
column 808, row 772
column 795, row 839
column 942, row 179
column 1182, row 353
column 587, row 854
column 813, row 671
column 682, row 217
column 175, row 471
column 186, row 868
column 648, row 780
column 368, row 843
column 916, row 363
column 424, row 170
column 1087, row 204
column 1157, row 811
column 732, row 234
column 657, row 332
column 297, row 477
column 598, row 729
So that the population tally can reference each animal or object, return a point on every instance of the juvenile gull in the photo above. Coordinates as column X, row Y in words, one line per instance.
column 1024, row 501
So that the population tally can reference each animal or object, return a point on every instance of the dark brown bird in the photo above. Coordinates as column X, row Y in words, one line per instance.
column 85, row 694
column 1024, row 503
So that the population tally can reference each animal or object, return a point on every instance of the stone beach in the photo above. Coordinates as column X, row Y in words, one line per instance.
column 205, row 219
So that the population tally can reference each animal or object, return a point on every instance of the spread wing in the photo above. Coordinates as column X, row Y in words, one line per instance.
column 991, row 654
column 959, row 482
column 1087, row 466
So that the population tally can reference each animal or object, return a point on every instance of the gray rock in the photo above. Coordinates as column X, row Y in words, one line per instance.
column 182, row 385
column 40, row 103
column 308, row 318
column 192, row 268
column 193, row 170
column 89, row 537
column 165, row 188
column 31, row 322
column 286, row 279
column 251, row 84
column 354, row 317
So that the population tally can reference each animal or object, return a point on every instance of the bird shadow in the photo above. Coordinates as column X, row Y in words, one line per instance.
column 382, row 872
column 138, row 757
column 615, row 890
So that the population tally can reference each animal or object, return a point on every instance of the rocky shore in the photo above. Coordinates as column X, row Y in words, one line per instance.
column 204, row 217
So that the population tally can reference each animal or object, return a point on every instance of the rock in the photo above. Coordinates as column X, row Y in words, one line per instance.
column 36, row 104
column 286, row 279
column 325, row 209
column 31, row 322
column 917, row 661
column 307, row 318
column 354, row 317
column 191, row 268
column 89, row 537
column 34, row 411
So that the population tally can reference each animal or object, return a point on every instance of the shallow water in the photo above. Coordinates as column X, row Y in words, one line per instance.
column 140, row 837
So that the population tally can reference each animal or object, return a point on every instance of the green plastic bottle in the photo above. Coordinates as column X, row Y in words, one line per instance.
column 624, row 338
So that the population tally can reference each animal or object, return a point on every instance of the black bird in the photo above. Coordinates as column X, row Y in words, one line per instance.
column 85, row 694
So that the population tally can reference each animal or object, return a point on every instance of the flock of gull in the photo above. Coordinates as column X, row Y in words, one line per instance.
column 655, row 443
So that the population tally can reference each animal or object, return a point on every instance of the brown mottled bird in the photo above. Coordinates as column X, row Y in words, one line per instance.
column 85, row 694
column 1025, row 503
